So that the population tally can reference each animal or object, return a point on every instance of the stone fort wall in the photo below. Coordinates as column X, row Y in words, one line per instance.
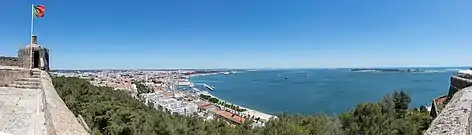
column 9, row 74
column 58, row 119
column 455, row 118
column 8, row 61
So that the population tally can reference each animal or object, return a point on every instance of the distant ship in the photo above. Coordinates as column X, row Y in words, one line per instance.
column 286, row 77
column 208, row 87
column 227, row 73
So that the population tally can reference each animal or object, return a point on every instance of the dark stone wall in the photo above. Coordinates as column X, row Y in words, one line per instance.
column 434, row 112
column 45, row 55
column 452, row 90
column 8, row 61
column 458, row 83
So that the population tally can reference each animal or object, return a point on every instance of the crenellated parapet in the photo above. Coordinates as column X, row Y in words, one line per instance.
column 29, row 103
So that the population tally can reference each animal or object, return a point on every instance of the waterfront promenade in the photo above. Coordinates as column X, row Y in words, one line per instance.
column 261, row 116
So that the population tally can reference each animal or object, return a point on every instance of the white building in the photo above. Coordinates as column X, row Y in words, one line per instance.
column 167, row 104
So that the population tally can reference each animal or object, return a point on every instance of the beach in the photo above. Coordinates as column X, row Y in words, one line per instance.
column 264, row 117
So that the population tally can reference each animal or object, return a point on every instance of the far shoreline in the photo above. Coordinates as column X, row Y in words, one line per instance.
column 254, row 69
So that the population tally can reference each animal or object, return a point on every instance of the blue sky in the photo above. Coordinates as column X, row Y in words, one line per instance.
column 91, row 34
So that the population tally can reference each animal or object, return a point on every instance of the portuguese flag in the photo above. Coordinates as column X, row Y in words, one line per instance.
column 38, row 10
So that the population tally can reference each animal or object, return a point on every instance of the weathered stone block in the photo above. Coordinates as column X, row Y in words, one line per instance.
column 8, row 61
column 26, row 57
column 460, row 82
column 8, row 76
column 454, row 118
column 60, row 120
column 37, row 106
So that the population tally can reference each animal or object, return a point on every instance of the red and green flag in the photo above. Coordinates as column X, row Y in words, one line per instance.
column 38, row 10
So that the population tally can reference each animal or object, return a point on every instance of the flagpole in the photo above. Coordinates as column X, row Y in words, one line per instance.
column 32, row 21
column 31, row 38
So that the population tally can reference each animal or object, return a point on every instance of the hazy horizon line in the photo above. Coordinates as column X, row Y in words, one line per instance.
column 271, row 68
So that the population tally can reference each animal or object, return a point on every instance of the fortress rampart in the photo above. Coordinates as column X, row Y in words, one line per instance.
column 8, row 61
column 9, row 75
column 29, row 103
column 59, row 119
column 455, row 117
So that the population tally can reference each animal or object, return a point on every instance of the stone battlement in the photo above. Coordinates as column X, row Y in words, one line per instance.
column 32, row 56
column 29, row 104
column 455, row 118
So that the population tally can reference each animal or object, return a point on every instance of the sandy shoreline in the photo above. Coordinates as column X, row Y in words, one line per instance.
column 250, row 112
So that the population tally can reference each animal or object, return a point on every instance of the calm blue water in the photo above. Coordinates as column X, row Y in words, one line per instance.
column 322, row 90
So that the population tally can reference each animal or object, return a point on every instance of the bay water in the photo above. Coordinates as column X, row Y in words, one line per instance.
column 328, row 91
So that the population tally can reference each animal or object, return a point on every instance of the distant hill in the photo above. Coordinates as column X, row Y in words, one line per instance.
column 384, row 70
column 8, row 58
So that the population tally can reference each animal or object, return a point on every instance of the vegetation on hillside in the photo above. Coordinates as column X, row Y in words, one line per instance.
column 217, row 101
column 141, row 88
column 108, row 111
column 209, row 98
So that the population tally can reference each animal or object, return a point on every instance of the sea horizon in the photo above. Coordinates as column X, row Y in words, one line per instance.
column 300, row 68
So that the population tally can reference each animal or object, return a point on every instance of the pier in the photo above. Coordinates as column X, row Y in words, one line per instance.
column 206, row 85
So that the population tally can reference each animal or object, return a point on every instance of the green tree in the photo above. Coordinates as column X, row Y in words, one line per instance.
column 141, row 88
column 401, row 100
